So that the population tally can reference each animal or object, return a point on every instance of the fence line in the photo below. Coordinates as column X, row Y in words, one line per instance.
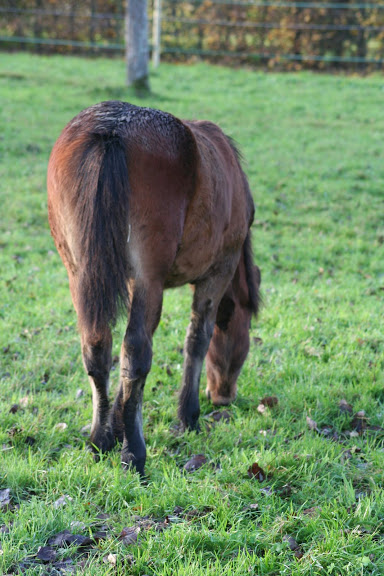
column 251, row 31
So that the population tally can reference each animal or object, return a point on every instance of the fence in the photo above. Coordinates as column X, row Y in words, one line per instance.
column 285, row 34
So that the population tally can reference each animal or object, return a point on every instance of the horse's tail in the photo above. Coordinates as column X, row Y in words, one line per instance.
column 101, row 215
column 253, row 277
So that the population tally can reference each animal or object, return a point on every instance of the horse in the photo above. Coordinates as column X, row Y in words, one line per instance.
column 138, row 202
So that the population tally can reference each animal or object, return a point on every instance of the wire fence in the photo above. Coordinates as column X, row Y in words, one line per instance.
column 271, row 34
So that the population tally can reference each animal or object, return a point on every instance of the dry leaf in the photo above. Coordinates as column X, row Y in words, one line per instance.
column 61, row 426
column 218, row 415
column 85, row 429
column 359, row 422
column 24, row 402
column 312, row 425
column 345, row 407
column 5, row 500
column 195, row 463
column 285, row 491
column 46, row 554
column 129, row 535
column 269, row 401
column 293, row 545
column 30, row 441
column 312, row 511
column 60, row 538
column 255, row 471
column 110, row 559
column 62, row 501
column 311, row 351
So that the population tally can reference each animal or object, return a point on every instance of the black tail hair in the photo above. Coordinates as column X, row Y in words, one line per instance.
column 101, row 214
column 253, row 276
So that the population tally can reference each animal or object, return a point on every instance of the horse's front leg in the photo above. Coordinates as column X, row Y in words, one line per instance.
column 136, row 359
column 206, row 299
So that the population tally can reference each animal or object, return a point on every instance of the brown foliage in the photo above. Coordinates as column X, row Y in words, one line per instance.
column 260, row 35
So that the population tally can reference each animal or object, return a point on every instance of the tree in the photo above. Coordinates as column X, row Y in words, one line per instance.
column 136, row 42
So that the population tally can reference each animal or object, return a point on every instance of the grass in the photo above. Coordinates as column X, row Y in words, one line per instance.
column 313, row 150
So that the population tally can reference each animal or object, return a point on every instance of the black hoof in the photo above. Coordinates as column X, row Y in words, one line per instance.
column 130, row 462
column 102, row 441
column 190, row 426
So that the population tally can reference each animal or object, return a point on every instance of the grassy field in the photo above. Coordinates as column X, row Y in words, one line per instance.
column 314, row 155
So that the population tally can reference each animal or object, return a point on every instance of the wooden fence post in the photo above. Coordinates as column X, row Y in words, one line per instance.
column 136, row 41
column 156, row 33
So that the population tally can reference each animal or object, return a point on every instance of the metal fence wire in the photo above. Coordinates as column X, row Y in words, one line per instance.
column 284, row 34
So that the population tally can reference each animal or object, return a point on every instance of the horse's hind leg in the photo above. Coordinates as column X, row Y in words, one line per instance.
column 207, row 296
column 136, row 360
column 97, row 360
column 96, row 350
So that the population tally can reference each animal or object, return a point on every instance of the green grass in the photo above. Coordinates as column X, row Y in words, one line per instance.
column 313, row 149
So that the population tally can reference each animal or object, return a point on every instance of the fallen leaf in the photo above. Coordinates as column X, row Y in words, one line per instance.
column 293, row 545
column 5, row 500
column 129, row 535
column 261, row 408
column 61, row 426
column 46, row 554
column 312, row 511
column 269, row 401
column 110, row 559
column 100, row 535
column 78, row 525
column 84, row 431
column 103, row 516
column 30, row 441
column 359, row 422
column 255, row 471
column 64, row 566
column 285, row 491
column 24, row 401
column 267, row 491
column 60, row 538
column 312, row 425
column 218, row 415
column 195, row 463
column 311, row 351
column 14, row 408
column 14, row 431
column 345, row 407
column 62, row 501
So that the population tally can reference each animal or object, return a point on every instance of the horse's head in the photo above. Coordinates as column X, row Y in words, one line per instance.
column 230, row 342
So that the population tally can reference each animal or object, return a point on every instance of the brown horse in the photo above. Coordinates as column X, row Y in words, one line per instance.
column 140, row 201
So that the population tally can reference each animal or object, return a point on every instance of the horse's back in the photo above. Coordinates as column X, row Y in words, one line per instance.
column 221, row 208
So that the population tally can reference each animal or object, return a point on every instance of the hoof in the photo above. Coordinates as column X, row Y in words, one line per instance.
column 218, row 399
column 189, row 426
column 130, row 462
column 102, row 441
